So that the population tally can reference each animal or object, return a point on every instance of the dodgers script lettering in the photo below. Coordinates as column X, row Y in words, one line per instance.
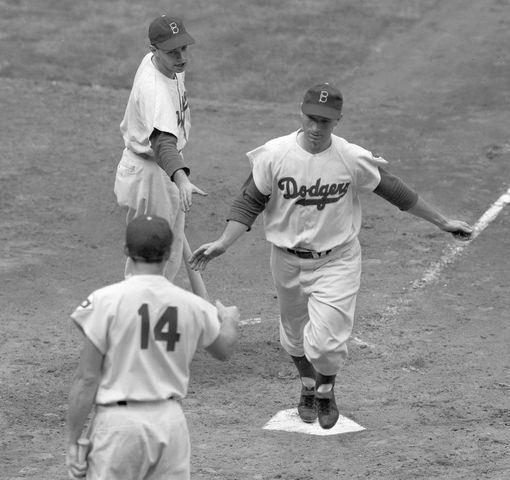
column 318, row 194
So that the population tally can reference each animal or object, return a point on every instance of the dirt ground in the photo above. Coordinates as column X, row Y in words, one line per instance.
column 431, row 381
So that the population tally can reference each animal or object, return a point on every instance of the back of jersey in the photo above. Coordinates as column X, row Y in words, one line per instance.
column 148, row 330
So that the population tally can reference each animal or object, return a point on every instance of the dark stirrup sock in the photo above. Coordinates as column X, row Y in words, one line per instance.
column 304, row 367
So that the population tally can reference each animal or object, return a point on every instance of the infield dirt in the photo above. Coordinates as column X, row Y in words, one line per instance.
column 431, row 382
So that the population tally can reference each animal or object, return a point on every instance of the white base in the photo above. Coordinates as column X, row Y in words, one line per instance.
column 289, row 421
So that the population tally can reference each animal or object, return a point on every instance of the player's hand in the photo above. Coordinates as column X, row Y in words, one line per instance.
column 203, row 254
column 458, row 228
column 231, row 313
column 75, row 469
column 186, row 193
column 186, row 190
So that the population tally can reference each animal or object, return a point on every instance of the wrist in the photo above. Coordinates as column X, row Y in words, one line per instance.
column 179, row 177
column 441, row 222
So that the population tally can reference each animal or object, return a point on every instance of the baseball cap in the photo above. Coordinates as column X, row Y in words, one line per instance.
column 168, row 33
column 323, row 100
column 148, row 238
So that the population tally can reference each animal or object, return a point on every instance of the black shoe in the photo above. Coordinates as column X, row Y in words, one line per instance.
column 326, row 408
column 306, row 408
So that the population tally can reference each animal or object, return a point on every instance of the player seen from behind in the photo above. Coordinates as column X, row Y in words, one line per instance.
column 139, row 338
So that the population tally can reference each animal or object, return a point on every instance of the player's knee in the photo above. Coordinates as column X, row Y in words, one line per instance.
column 327, row 359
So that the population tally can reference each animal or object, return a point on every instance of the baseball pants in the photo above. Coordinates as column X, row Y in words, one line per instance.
column 317, row 300
column 144, row 187
column 140, row 441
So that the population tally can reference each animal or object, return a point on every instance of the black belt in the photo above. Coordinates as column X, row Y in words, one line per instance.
column 303, row 254
column 124, row 403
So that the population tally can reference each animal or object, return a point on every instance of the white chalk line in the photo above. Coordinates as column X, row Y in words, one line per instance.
column 452, row 251
column 250, row 321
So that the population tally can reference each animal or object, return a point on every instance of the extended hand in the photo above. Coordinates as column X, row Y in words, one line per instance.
column 203, row 254
column 458, row 228
column 231, row 312
column 186, row 191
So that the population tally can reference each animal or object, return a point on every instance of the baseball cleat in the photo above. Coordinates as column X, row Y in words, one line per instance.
column 306, row 407
column 326, row 408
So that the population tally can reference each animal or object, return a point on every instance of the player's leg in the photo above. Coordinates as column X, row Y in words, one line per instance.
column 332, row 301
column 325, row 344
column 130, row 191
column 293, row 318
column 307, row 409
column 163, row 201
column 175, row 260
column 131, row 214
column 119, row 446
column 171, row 445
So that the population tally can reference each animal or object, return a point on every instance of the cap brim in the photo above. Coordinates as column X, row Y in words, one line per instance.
column 321, row 111
column 176, row 41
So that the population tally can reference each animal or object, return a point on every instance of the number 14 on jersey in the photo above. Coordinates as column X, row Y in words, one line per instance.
column 165, row 329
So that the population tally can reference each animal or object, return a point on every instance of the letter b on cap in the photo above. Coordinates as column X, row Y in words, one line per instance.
column 174, row 27
column 323, row 97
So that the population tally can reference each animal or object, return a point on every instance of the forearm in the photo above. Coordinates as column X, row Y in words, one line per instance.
column 81, row 401
column 425, row 211
column 227, row 337
column 232, row 232
column 222, row 347
column 180, row 177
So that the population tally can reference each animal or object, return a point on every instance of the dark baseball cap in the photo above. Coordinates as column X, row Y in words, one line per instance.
column 323, row 100
column 168, row 33
column 148, row 238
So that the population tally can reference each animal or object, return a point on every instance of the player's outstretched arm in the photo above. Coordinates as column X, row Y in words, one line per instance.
column 458, row 228
column 222, row 347
column 206, row 252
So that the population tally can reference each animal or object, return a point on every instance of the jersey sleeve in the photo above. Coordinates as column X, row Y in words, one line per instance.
column 91, row 319
column 165, row 150
column 260, row 160
column 395, row 191
column 365, row 167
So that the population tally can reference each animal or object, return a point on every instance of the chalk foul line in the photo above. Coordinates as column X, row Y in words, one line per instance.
column 454, row 250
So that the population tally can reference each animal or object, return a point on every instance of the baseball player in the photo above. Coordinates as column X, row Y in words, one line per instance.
column 139, row 338
column 308, row 186
column 152, row 177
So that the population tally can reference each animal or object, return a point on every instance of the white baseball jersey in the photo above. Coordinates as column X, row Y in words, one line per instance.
column 148, row 329
column 155, row 102
column 314, row 203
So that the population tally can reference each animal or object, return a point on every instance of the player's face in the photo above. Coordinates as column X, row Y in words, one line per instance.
column 317, row 132
column 172, row 61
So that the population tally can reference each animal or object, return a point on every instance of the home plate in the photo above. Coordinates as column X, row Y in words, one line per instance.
column 289, row 421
